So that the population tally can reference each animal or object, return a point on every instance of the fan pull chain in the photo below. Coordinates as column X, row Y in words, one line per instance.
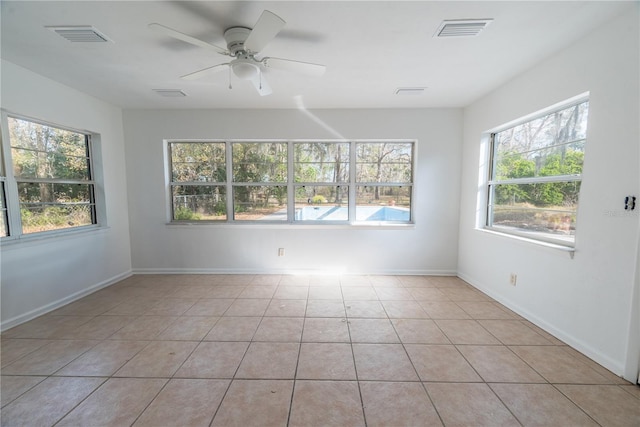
column 230, row 87
column 260, row 73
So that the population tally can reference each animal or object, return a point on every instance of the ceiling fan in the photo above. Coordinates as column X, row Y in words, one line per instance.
column 243, row 44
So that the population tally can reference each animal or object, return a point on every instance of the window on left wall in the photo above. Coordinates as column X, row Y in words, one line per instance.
column 47, row 179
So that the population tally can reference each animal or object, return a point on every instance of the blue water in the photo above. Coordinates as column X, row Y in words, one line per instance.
column 363, row 213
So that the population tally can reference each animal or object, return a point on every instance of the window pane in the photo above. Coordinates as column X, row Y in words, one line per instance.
column 41, row 151
column 4, row 231
column 384, row 162
column 547, row 146
column 377, row 203
column 199, row 202
column 322, row 203
column 49, row 206
column 198, row 162
column 260, row 162
column 321, row 162
column 538, row 208
column 266, row 203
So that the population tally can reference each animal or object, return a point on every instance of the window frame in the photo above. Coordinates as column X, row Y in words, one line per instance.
column 491, row 183
column 15, row 230
column 291, row 184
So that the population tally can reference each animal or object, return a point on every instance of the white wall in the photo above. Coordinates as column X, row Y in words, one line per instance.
column 429, row 247
column 39, row 275
column 586, row 301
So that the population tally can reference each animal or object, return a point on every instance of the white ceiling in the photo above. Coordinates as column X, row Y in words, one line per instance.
column 369, row 48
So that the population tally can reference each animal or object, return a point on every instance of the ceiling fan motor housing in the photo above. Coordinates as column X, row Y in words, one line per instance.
column 235, row 38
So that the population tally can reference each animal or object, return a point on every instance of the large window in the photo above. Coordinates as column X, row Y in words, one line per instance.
column 52, row 179
column 536, row 171
column 292, row 181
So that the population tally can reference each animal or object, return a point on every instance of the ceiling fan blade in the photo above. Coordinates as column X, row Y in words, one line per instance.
column 205, row 72
column 313, row 70
column 261, row 84
column 268, row 26
column 186, row 38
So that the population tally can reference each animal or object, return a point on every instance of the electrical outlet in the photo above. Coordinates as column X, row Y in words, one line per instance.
column 280, row 251
column 513, row 279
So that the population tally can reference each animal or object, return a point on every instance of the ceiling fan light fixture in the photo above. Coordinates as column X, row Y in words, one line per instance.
column 245, row 70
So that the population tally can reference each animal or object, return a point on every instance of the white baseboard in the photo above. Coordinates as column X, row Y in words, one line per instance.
column 289, row 271
column 15, row 321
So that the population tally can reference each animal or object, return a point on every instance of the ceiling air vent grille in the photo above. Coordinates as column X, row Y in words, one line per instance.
column 80, row 34
column 170, row 93
column 462, row 27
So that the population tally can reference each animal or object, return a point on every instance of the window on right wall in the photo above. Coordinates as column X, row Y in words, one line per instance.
column 535, row 175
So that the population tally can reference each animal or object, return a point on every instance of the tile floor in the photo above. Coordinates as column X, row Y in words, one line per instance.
column 270, row 350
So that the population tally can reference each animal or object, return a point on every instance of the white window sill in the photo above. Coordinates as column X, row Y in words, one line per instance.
column 287, row 225
column 25, row 240
column 555, row 246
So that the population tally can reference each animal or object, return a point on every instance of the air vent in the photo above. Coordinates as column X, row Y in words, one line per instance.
column 410, row 91
column 170, row 93
column 80, row 34
column 462, row 27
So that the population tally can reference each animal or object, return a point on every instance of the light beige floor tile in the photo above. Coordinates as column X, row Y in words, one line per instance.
column 104, row 359
column 499, row 364
column 404, row 310
column 286, row 308
column 324, row 280
column 383, row 362
column 98, row 328
column 171, row 307
column 392, row 294
column 48, row 401
column 557, row 366
column 235, row 279
column 158, row 359
column 258, row 291
column 291, row 292
column 355, row 281
column 227, row 291
column 294, row 280
column 331, row 329
column 397, row 404
column 325, row 308
column 427, row 294
column 11, row 387
column 466, row 332
column 610, row 376
column 443, row 310
column 13, row 349
column 326, row 403
column 385, row 281
column 48, row 358
column 118, row 402
column 365, row 309
column 144, row 328
column 133, row 306
column 87, row 307
column 45, row 326
column 326, row 361
column 267, row 360
column 440, row 363
column 188, row 328
column 554, row 340
column 325, row 293
column 257, row 403
column 184, row 402
column 213, row 360
column 414, row 281
column 607, row 404
column 484, row 310
column 248, row 307
column 513, row 332
column 372, row 331
column 633, row 389
column 195, row 291
column 447, row 282
column 469, row 405
column 464, row 294
column 234, row 329
column 541, row 405
column 266, row 279
column 209, row 307
column 419, row 331
column 359, row 293
column 280, row 329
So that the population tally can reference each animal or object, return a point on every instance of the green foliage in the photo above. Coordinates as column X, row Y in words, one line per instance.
column 318, row 199
column 185, row 214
